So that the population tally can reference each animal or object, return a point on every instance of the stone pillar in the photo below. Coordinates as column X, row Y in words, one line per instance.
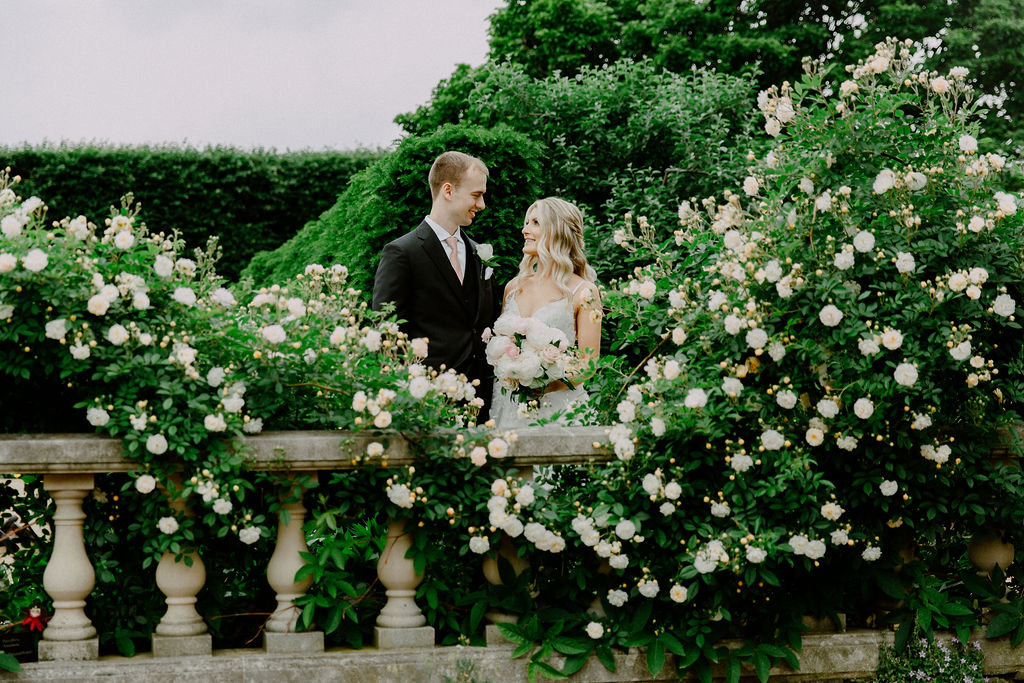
column 181, row 631
column 279, row 634
column 69, row 576
column 400, row 624
column 988, row 549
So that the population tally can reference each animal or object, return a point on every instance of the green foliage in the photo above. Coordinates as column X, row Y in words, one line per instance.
column 626, row 137
column 805, row 377
column 548, row 37
column 251, row 200
column 391, row 197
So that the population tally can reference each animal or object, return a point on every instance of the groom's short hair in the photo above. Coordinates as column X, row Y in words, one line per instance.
column 451, row 167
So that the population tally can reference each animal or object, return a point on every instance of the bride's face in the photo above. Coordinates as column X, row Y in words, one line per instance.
column 532, row 232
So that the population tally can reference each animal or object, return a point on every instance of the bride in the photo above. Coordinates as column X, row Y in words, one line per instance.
column 555, row 286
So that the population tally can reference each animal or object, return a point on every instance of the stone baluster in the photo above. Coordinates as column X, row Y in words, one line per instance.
column 69, row 576
column 400, row 624
column 506, row 551
column 279, row 634
column 181, row 631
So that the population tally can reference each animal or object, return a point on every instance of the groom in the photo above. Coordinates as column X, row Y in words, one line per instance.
column 435, row 277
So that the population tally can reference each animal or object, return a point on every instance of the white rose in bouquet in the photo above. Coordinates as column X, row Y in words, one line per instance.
column 527, row 355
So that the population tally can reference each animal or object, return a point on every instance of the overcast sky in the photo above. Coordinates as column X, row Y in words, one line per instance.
column 290, row 74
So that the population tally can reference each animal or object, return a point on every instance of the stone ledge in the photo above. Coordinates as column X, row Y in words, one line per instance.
column 182, row 646
column 305, row 642
column 403, row 638
column 825, row 657
column 300, row 451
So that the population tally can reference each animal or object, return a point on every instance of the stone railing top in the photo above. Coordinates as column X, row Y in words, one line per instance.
column 313, row 450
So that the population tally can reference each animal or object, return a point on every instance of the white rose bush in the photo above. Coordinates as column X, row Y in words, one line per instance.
column 815, row 376
column 802, row 391
column 160, row 353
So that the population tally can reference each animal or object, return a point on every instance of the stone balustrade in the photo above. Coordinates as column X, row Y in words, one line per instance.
column 68, row 463
column 181, row 646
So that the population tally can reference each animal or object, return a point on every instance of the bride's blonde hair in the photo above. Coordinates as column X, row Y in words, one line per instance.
column 560, row 247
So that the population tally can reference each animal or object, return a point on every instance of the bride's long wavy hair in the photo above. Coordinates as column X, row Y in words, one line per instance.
column 560, row 247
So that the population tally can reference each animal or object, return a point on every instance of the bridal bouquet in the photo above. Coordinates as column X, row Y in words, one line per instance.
column 527, row 355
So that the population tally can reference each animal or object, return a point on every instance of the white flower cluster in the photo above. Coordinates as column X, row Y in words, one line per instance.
column 801, row 545
column 621, row 438
column 653, row 484
column 401, row 495
column 777, row 107
column 710, row 557
column 505, row 506
column 525, row 352
column 376, row 408
column 938, row 453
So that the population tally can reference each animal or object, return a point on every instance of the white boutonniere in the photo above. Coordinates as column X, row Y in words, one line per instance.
column 485, row 252
column 488, row 272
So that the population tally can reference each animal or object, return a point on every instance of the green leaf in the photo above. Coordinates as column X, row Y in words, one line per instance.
column 956, row 609
column 672, row 644
column 655, row 657
column 125, row 644
column 762, row 665
column 568, row 646
column 522, row 650
column 574, row 663
column 477, row 614
column 1002, row 624
column 514, row 633
column 732, row 670
column 9, row 663
column 903, row 635
column 891, row 585
column 334, row 619
column 604, row 655
column 548, row 670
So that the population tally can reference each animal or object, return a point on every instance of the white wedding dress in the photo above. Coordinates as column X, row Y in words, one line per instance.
column 565, row 407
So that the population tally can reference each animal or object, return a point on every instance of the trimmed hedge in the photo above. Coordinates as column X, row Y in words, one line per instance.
column 392, row 196
column 251, row 200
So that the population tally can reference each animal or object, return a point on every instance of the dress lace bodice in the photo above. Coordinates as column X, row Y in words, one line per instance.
column 557, row 314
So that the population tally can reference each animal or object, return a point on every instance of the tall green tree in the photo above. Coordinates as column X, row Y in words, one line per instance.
column 773, row 36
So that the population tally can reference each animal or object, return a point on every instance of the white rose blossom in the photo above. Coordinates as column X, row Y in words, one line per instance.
column 145, row 484
column 772, row 440
column 695, row 399
column 830, row 315
column 1004, row 305
column 864, row 241
column 156, row 444
column 56, row 329
column 35, row 260
column 249, row 535
column 863, row 408
column 905, row 374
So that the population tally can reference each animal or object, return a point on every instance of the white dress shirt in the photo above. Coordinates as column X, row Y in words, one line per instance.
column 442, row 235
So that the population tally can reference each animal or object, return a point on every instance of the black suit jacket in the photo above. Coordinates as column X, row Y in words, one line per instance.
column 414, row 273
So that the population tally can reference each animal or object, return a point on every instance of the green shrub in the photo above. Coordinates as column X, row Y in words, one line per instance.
column 251, row 200
column 391, row 197
column 626, row 137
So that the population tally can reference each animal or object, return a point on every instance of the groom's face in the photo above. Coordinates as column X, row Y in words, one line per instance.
column 468, row 196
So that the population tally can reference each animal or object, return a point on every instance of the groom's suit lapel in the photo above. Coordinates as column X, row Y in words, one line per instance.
column 434, row 250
